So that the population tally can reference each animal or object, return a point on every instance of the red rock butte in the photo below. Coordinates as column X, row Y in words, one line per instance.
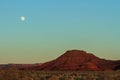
column 79, row 60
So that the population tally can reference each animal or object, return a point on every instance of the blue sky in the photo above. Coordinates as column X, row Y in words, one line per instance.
column 52, row 27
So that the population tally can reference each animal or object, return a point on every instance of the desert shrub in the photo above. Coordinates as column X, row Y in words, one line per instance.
column 14, row 74
column 10, row 74
column 78, row 79
column 61, row 78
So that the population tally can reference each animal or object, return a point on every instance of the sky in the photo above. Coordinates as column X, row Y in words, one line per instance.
column 51, row 27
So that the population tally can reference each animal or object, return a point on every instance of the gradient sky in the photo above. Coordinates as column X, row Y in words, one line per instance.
column 54, row 26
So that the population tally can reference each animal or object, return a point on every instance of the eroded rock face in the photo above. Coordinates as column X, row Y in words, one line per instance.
column 117, row 67
column 79, row 60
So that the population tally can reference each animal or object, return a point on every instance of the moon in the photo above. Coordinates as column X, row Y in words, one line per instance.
column 22, row 18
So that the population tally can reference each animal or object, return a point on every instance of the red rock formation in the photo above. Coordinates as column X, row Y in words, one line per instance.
column 78, row 60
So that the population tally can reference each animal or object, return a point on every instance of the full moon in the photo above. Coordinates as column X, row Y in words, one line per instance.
column 22, row 18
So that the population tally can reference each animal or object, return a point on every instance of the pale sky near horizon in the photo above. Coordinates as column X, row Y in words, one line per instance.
column 53, row 26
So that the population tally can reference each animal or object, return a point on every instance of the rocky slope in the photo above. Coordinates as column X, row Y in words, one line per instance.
column 79, row 60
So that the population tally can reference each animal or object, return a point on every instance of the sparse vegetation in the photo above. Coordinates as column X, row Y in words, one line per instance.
column 14, row 74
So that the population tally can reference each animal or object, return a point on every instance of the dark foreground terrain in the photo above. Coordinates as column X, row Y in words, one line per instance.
column 14, row 74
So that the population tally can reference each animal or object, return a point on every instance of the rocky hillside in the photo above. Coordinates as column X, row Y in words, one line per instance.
column 79, row 60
